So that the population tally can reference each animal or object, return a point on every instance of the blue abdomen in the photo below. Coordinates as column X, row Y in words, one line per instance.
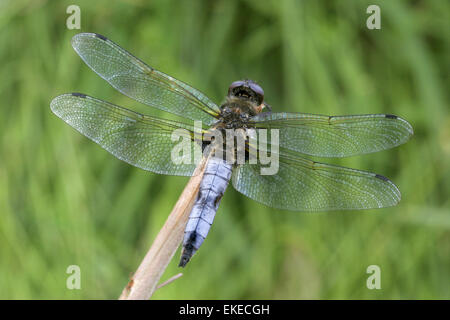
column 214, row 183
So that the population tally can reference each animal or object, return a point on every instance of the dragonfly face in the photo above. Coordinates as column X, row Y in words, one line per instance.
column 299, row 184
column 245, row 99
column 247, row 90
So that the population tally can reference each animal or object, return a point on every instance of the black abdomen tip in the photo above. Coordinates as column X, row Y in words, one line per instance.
column 184, row 260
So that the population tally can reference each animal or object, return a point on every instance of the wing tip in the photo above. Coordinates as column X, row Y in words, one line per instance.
column 396, row 195
column 76, row 38
column 409, row 128
column 407, row 125
column 55, row 103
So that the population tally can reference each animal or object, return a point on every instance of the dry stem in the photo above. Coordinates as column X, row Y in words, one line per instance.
column 144, row 282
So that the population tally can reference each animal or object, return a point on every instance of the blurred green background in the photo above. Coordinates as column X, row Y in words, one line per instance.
column 65, row 201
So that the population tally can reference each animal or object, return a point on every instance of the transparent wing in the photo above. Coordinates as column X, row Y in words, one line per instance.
column 304, row 185
column 336, row 136
column 134, row 78
column 140, row 140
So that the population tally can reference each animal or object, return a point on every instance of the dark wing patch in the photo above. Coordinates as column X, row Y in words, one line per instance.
column 76, row 94
column 100, row 36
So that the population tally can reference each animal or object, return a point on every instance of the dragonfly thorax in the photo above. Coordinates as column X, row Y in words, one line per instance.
column 236, row 112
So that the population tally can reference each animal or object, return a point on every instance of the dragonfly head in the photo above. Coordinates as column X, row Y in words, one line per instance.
column 247, row 90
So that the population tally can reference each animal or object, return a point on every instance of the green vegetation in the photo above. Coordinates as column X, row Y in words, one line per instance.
column 65, row 201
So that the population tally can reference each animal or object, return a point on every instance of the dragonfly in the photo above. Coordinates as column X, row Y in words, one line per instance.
column 300, row 182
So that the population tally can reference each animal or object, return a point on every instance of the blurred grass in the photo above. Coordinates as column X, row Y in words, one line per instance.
column 64, row 200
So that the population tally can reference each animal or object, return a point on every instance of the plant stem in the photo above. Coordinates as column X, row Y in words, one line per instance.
column 145, row 280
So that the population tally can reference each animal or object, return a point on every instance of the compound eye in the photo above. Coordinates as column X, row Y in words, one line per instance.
column 259, row 92
column 257, row 89
column 235, row 85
